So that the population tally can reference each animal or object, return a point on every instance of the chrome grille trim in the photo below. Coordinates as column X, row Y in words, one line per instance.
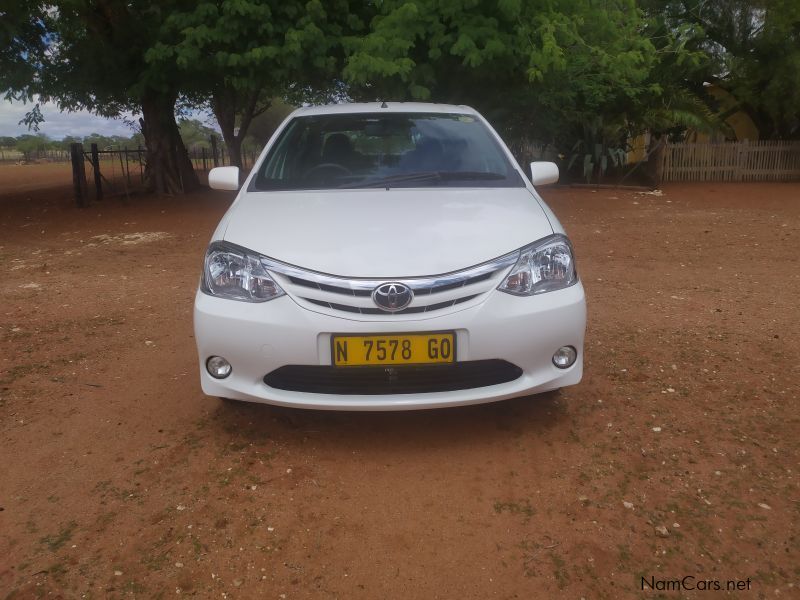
column 418, row 284
column 378, row 311
column 353, row 295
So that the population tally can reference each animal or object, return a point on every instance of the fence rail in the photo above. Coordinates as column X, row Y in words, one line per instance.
column 732, row 161
column 526, row 151
column 116, row 172
column 121, row 171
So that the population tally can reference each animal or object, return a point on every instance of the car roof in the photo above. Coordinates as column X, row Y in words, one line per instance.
column 383, row 107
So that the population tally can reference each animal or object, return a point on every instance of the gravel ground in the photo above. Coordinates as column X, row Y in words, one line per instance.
column 676, row 457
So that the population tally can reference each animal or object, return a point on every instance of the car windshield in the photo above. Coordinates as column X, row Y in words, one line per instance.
column 387, row 151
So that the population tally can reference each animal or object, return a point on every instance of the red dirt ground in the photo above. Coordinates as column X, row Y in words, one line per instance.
column 120, row 478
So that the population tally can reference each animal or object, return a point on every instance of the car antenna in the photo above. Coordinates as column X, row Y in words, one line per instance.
column 384, row 105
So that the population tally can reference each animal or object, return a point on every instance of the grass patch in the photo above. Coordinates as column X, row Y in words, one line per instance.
column 559, row 570
column 57, row 571
column 54, row 542
column 522, row 507
column 133, row 587
column 156, row 561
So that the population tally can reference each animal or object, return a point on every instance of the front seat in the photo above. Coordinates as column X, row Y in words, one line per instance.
column 427, row 156
column 338, row 149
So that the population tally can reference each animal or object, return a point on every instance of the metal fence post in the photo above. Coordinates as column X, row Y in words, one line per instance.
column 139, row 153
column 127, row 166
column 214, row 150
column 78, row 175
column 741, row 159
column 98, row 185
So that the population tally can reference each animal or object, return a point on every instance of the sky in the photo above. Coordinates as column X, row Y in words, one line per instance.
column 59, row 124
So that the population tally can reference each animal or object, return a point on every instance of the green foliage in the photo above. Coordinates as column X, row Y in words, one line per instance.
column 543, row 68
column 575, row 74
column 22, row 45
column 235, row 55
column 104, row 142
column 265, row 124
column 195, row 134
column 249, row 44
column 579, row 75
column 96, row 54
column 752, row 50
column 764, row 62
column 29, row 144
column 596, row 157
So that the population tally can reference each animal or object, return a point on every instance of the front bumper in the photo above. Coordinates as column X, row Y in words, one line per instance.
column 259, row 338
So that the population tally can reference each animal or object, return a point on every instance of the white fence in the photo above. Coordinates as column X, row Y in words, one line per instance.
column 732, row 161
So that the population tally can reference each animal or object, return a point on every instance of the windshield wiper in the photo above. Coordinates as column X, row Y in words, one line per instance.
column 427, row 176
column 394, row 179
column 469, row 175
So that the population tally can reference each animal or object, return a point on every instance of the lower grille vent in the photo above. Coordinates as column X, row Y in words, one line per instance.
column 406, row 379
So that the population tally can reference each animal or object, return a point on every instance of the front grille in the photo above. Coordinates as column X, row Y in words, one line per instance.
column 377, row 311
column 329, row 288
column 354, row 295
column 407, row 379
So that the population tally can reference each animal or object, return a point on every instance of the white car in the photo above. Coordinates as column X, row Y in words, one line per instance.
column 387, row 256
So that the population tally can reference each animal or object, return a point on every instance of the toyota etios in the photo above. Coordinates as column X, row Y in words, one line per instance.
column 387, row 256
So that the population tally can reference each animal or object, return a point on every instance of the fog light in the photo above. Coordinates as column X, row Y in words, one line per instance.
column 565, row 357
column 219, row 368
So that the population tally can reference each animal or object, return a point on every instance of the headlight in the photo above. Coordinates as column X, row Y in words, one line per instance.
column 544, row 266
column 237, row 274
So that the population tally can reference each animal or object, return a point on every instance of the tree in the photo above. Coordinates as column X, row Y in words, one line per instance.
column 67, row 141
column 264, row 125
column 32, row 144
column 91, row 54
column 195, row 134
column 103, row 142
column 541, row 67
column 754, row 53
column 22, row 49
column 578, row 74
column 766, row 79
column 109, row 56
column 22, row 45
column 241, row 53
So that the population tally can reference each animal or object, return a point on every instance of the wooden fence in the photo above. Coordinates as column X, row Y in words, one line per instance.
column 12, row 155
column 732, row 161
column 527, row 151
column 112, row 172
column 219, row 156
column 116, row 172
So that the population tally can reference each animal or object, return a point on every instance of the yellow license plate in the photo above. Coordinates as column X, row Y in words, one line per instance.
column 405, row 349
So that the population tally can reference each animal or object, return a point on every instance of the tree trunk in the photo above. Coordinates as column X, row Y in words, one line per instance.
column 168, row 169
column 223, row 103
column 234, row 145
column 653, row 168
column 226, row 102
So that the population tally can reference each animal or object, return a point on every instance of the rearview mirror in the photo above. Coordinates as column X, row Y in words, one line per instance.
column 543, row 172
column 224, row 178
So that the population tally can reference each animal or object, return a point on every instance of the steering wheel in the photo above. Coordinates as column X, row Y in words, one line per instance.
column 334, row 166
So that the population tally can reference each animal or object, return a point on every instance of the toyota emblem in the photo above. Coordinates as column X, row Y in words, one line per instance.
column 392, row 297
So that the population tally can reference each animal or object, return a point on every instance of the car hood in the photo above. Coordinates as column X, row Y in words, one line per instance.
column 386, row 233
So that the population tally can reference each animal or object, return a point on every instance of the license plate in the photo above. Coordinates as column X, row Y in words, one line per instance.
column 405, row 349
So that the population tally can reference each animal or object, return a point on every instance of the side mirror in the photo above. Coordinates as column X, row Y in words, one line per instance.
column 224, row 178
column 542, row 172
